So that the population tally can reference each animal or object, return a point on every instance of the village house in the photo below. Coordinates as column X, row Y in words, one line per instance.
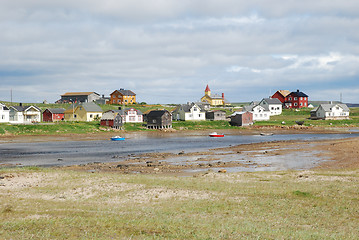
column 241, row 119
column 88, row 111
column 24, row 114
column 131, row 115
column 122, row 96
column 159, row 119
column 189, row 112
column 79, row 97
column 53, row 114
column 216, row 115
column 330, row 111
column 295, row 99
column 282, row 96
column 260, row 113
column 112, row 118
column 273, row 104
column 4, row 113
column 213, row 99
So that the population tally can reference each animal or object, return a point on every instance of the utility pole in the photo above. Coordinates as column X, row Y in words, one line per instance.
column 341, row 98
column 11, row 96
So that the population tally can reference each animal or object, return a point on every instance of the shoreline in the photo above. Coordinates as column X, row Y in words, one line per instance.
column 330, row 154
column 250, row 130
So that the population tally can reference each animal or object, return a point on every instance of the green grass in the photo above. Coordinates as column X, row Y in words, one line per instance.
column 56, row 128
column 201, row 125
column 263, row 205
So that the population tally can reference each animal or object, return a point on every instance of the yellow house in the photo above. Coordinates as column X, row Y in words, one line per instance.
column 122, row 96
column 88, row 111
column 213, row 99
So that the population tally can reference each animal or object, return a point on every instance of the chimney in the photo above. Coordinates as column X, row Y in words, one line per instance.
column 297, row 90
column 20, row 104
column 223, row 96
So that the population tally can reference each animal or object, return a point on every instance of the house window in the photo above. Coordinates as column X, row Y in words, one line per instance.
column 91, row 115
column 295, row 98
column 290, row 99
column 295, row 104
column 75, row 116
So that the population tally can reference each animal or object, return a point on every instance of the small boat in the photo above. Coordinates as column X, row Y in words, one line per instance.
column 266, row 134
column 117, row 138
column 214, row 134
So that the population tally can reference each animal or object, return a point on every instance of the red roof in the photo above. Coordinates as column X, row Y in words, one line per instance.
column 207, row 89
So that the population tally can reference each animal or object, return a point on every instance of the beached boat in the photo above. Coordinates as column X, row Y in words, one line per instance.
column 266, row 134
column 117, row 138
column 214, row 134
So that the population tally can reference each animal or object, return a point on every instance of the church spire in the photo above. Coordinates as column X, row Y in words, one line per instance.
column 207, row 91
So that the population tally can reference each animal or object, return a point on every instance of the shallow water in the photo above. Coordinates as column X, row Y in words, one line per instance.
column 82, row 152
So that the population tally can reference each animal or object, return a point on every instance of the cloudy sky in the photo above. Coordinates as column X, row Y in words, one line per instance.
column 167, row 51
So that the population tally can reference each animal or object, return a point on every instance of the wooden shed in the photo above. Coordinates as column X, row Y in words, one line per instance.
column 241, row 119
column 112, row 118
column 159, row 119
column 53, row 114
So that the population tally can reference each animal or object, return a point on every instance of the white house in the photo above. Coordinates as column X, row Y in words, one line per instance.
column 189, row 112
column 260, row 113
column 4, row 113
column 24, row 114
column 330, row 111
column 132, row 115
column 274, row 105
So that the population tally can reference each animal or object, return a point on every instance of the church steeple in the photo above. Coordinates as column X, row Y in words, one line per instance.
column 207, row 91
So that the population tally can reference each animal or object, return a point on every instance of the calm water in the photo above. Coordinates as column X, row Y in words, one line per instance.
column 82, row 152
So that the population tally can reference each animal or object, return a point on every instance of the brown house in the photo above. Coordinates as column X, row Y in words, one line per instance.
column 241, row 119
column 122, row 96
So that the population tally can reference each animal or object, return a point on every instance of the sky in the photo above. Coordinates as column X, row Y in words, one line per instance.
column 167, row 51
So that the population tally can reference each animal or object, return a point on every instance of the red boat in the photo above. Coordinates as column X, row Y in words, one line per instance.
column 214, row 134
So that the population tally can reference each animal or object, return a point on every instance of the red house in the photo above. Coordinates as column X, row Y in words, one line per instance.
column 282, row 95
column 297, row 100
column 53, row 114
column 292, row 99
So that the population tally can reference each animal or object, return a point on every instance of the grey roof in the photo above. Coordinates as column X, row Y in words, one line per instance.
column 24, row 108
column 56, row 110
column 187, row 107
column 91, row 107
column 328, row 107
column 272, row 101
column 110, row 114
column 248, row 108
column 126, row 92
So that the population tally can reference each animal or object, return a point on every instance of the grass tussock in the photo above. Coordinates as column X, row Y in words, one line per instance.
column 49, row 204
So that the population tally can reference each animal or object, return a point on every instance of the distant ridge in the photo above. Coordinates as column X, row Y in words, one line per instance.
column 352, row 104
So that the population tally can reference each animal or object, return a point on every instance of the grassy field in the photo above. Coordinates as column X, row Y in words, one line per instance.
column 52, row 204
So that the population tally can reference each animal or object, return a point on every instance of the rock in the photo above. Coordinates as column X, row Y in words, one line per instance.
column 180, row 153
column 122, row 166
column 222, row 170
